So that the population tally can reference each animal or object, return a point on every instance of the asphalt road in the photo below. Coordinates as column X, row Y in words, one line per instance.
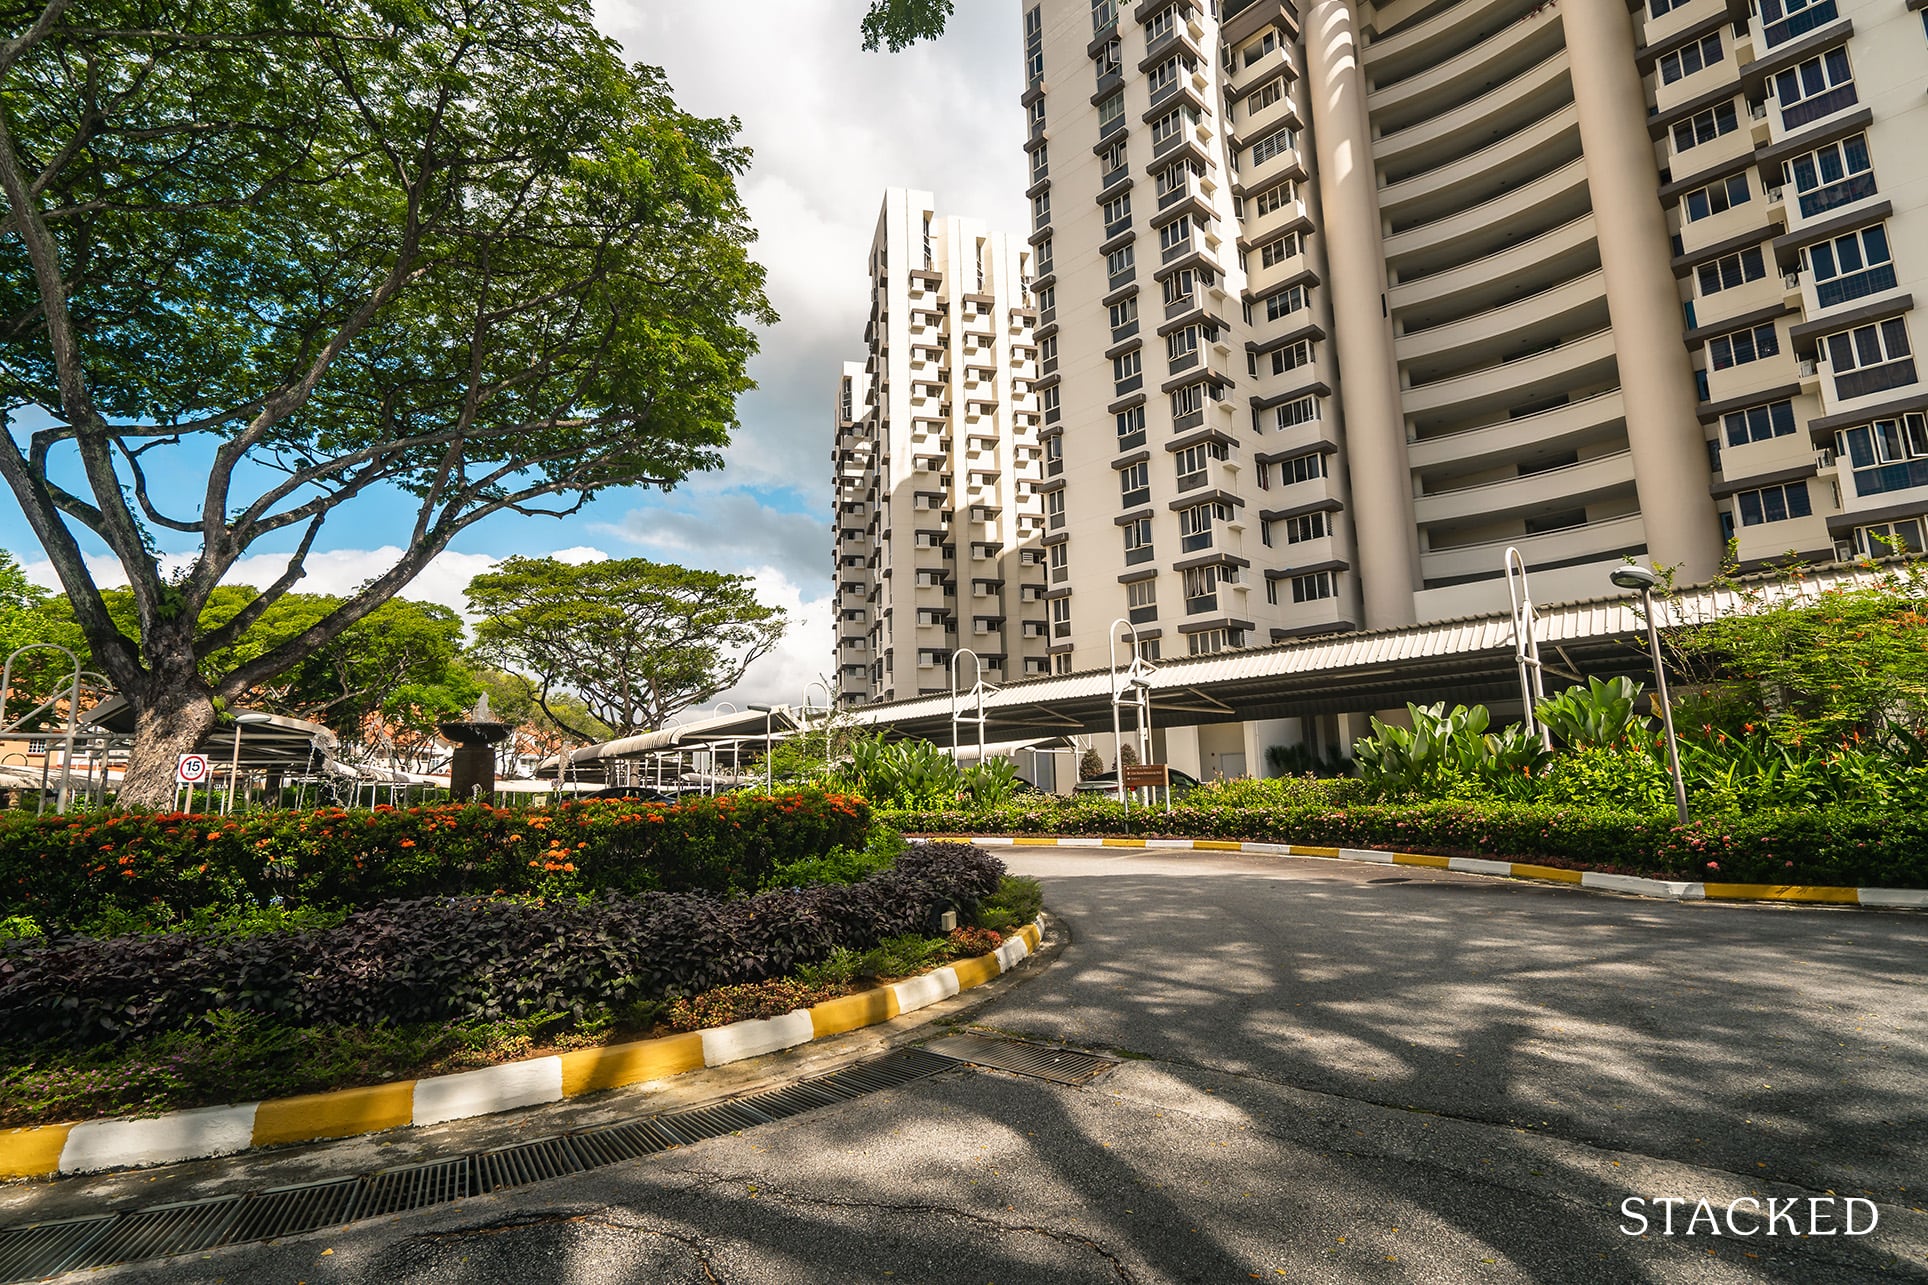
column 1331, row 1072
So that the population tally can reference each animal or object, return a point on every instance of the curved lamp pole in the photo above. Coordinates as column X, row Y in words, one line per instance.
column 1642, row 581
column 769, row 713
column 829, row 708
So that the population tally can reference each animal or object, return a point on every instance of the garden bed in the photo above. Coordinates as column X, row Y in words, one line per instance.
column 1824, row 847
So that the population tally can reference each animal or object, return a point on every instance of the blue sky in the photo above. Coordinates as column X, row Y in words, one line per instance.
column 831, row 127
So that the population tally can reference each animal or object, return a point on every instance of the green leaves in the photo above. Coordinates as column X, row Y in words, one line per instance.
column 899, row 24
column 1597, row 716
column 635, row 641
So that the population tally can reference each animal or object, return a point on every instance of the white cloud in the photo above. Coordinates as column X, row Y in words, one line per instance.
column 725, row 529
column 806, row 652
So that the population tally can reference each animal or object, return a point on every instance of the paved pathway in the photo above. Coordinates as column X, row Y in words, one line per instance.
column 1333, row 1073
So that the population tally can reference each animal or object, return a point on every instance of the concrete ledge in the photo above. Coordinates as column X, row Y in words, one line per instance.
column 46, row 1150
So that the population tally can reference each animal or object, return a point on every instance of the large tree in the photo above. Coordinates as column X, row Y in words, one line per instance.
column 441, row 260
column 899, row 24
column 634, row 641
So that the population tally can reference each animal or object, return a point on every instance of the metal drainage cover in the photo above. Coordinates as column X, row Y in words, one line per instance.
column 1020, row 1057
column 41, row 1250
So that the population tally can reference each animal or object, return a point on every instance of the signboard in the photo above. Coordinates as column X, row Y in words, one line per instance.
column 1147, row 776
column 191, row 769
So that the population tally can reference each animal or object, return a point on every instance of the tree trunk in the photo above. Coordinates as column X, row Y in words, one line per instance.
column 171, row 716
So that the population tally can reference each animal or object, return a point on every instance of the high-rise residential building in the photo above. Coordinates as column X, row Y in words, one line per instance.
column 937, row 462
column 1337, row 305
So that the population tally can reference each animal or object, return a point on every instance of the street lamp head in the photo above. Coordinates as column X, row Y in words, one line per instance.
column 761, row 709
column 1635, row 578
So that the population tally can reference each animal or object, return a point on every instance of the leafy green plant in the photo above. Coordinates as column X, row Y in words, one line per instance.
column 1625, row 779
column 991, row 782
column 906, row 773
column 1599, row 715
column 1017, row 901
column 840, row 865
column 1298, row 760
column 1398, row 760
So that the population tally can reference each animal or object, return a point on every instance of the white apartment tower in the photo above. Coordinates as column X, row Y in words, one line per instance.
column 938, row 463
column 1337, row 305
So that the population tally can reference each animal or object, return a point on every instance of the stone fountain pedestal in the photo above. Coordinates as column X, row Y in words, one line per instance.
column 472, row 768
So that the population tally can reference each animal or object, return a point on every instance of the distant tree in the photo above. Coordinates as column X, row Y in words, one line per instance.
column 29, row 614
column 1091, row 765
column 513, row 698
column 455, row 259
column 899, row 24
column 634, row 641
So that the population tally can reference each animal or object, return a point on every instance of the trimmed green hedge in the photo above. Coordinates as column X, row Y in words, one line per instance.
column 1842, row 847
column 69, row 871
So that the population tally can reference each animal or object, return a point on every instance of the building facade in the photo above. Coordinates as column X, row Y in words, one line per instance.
column 1337, row 305
column 939, row 518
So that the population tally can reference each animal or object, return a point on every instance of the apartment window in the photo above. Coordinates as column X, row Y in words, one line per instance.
column 1292, row 356
column 1107, row 63
column 1759, row 423
column 1161, row 26
column 1111, row 163
column 1209, row 642
column 1121, row 265
column 1715, row 198
column 1104, row 16
column 1311, row 588
column 1036, row 115
column 1302, row 468
column 1040, row 164
column 1175, row 180
column 1782, row 20
column 1127, row 372
column 1163, row 79
column 1178, row 289
column 1201, row 590
column 1047, row 303
column 1054, row 509
column 1061, row 617
column 1048, row 400
column 1851, row 266
column 1195, row 525
column 1175, row 238
column 1131, row 428
column 1300, row 410
column 1188, row 400
column 1870, row 358
column 1034, row 45
column 1743, row 346
column 1264, row 96
column 1307, row 526
column 1773, row 504
column 1832, row 175
column 1181, row 348
column 1887, row 455
column 1273, row 144
column 1044, row 259
column 1060, row 562
column 1167, row 128
column 1137, row 541
column 1887, row 539
column 1690, row 58
column 1276, row 197
column 1260, row 47
column 1141, row 600
column 1284, row 303
column 1660, row 8
column 1704, row 127
column 1048, row 354
column 1124, row 319
column 1117, row 213
column 1111, row 112
column 1134, row 485
column 1195, row 461
column 1278, row 249
column 1040, row 211
column 1731, row 270
column 1815, row 88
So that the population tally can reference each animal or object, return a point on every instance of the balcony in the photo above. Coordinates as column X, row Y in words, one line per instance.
column 1575, row 483
column 1582, row 360
column 1601, row 539
column 1809, row 110
column 1874, row 379
column 1820, row 200
column 1484, row 229
column 1472, row 287
column 1506, row 107
column 1575, row 306
column 1483, row 175
column 1794, row 25
column 1854, row 285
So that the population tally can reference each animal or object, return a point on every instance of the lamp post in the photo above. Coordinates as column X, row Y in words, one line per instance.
column 769, row 768
column 1641, row 580
column 234, row 763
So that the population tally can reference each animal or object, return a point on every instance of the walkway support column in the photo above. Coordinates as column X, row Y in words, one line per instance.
column 1382, row 489
column 1670, row 468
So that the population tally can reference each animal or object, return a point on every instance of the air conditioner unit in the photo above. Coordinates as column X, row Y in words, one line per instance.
column 1844, row 551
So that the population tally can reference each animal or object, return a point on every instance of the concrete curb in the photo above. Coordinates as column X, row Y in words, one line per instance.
column 1668, row 889
column 45, row 1151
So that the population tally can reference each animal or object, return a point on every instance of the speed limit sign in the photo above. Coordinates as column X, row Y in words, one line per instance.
column 191, row 769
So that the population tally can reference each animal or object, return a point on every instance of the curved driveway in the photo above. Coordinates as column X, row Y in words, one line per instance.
column 1333, row 1072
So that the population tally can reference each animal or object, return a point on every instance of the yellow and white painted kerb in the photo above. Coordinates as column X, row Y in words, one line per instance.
column 1671, row 889
column 53, row 1149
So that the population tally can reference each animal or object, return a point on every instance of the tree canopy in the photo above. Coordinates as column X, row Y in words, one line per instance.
column 634, row 641
column 899, row 24
column 451, row 258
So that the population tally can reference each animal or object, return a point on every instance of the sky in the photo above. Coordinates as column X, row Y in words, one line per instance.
column 831, row 127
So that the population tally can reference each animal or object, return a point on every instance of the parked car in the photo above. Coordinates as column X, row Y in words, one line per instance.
column 1182, row 783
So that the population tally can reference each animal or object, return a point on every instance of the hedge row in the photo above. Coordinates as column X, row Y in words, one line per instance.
column 66, row 870
column 1842, row 847
column 437, row 959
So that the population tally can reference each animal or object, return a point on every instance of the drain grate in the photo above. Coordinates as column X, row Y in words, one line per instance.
column 41, row 1250
column 1020, row 1057
column 28, row 1253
